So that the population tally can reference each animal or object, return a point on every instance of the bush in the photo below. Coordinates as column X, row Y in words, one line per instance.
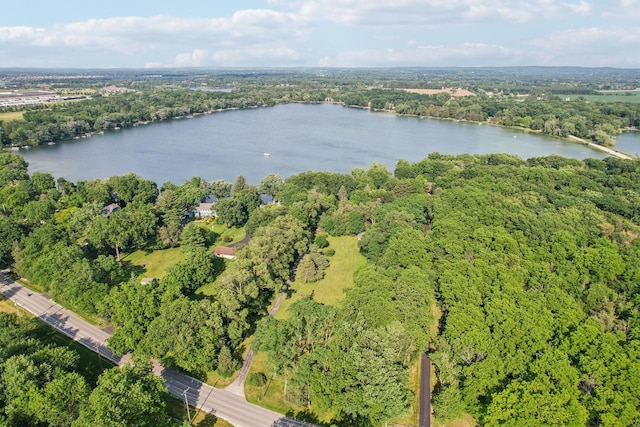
column 321, row 241
column 330, row 252
column 257, row 379
column 227, row 239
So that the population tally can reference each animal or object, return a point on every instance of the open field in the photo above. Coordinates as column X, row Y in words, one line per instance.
column 338, row 277
column 450, row 90
column 155, row 264
column 11, row 115
column 609, row 96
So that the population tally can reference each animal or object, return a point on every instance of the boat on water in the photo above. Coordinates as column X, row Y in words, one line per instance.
column 266, row 154
column 51, row 143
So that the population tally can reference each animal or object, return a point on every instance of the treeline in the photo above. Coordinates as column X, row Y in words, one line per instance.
column 69, row 120
column 546, row 114
column 40, row 384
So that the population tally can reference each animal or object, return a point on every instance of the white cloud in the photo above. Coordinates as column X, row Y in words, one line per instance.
column 623, row 9
column 598, row 47
column 418, row 13
column 197, row 58
column 477, row 54
column 140, row 36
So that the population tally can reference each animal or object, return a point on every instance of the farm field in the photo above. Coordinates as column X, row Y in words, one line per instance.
column 609, row 96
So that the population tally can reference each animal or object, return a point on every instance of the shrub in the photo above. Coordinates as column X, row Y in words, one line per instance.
column 257, row 379
column 321, row 241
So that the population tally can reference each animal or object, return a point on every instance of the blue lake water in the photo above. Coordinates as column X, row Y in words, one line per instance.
column 297, row 138
column 629, row 142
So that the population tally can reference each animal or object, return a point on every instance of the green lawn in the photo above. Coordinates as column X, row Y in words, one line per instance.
column 226, row 236
column 338, row 277
column 154, row 264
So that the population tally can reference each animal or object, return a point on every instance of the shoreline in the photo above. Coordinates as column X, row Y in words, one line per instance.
column 595, row 146
column 570, row 138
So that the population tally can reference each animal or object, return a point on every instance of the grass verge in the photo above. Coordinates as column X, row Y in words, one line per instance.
column 271, row 395
column 176, row 409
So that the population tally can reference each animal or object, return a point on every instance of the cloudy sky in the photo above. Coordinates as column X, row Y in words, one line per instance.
column 324, row 33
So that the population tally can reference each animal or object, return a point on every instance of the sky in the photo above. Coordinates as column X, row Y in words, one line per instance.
column 319, row 33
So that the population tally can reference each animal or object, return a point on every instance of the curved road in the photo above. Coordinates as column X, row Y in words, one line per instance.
column 221, row 403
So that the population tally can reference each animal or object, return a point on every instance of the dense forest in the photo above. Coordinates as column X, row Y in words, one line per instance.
column 534, row 99
column 520, row 278
column 42, row 384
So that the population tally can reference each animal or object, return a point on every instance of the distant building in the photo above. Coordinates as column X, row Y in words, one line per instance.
column 225, row 252
column 109, row 209
column 17, row 99
column 112, row 90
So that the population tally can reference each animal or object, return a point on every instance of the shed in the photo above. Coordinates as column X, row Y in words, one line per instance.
column 225, row 252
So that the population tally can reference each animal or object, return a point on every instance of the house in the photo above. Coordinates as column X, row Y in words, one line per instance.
column 109, row 209
column 225, row 252
column 204, row 209
column 148, row 280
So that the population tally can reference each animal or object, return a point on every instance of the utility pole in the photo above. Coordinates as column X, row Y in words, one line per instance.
column 186, row 403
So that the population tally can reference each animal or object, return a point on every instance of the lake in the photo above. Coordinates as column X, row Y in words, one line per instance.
column 297, row 137
column 628, row 142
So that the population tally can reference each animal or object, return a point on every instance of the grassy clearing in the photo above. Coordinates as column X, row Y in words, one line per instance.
column 11, row 115
column 214, row 379
column 155, row 264
column 338, row 277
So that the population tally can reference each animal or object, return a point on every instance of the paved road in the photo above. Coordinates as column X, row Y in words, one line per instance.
column 221, row 403
column 425, row 391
